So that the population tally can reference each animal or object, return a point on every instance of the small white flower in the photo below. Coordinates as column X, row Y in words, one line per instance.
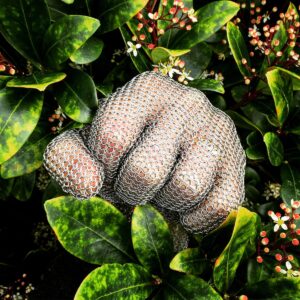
column 289, row 271
column 295, row 204
column 279, row 222
column 191, row 15
column 133, row 48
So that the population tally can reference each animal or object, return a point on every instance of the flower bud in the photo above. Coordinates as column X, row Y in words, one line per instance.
column 151, row 46
column 259, row 259
column 295, row 242
column 2, row 68
column 283, row 235
column 278, row 257
column 265, row 241
column 263, row 234
column 278, row 269
column 244, row 61
column 290, row 257
column 188, row 27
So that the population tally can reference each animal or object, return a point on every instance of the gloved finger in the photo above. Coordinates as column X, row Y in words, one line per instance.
column 193, row 177
column 227, row 194
column 71, row 164
column 122, row 119
column 149, row 164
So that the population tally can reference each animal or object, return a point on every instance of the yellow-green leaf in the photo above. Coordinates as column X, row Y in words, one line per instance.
column 211, row 18
column 189, row 261
column 238, row 48
column 151, row 238
column 115, row 281
column 93, row 230
column 227, row 263
column 19, row 113
column 115, row 13
column 208, row 85
column 282, row 92
column 38, row 81
column 67, row 35
column 160, row 54
column 88, row 52
column 274, row 148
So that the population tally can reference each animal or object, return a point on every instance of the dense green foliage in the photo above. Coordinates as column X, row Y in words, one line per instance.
column 58, row 58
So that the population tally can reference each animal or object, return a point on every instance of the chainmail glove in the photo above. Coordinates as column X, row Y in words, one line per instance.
column 155, row 140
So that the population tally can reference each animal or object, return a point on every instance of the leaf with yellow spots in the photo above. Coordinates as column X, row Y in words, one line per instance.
column 282, row 91
column 115, row 281
column 67, row 35
column 19, row 113
column 38, row 81
column 92, row 230
column 244, row 233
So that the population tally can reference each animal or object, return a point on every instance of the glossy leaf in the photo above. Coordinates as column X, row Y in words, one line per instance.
column 256, row 272
column 38, row 81
column 243, row 122
column 256, row 152
column 189, row 261
column 151, row 238
column 77, row 96
column 238, row 48
column 208, row 85
column 88, row 52
column 274, row 148
column 115, row 281
column 30, row 157
column 23, row 23
column 281, row 288
column 198, row 59
column 23, row 187
column 160, row 54
column 113, row 13
column 227, row 263
column 188, row 287
column 67, row 35
column 282, row 91
column 211, row 18
column 19, row 113
column 4, row 79
column 93, row 230
column 290, row 188
column 141, row 61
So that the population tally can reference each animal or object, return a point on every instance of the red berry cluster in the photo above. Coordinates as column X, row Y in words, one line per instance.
column 174, row 16
column 264, row 35
column 282, row 239
column 6, row 66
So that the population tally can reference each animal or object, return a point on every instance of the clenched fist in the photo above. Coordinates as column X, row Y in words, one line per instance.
column 155, row 140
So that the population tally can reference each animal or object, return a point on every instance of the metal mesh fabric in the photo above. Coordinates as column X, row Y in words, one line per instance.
column 162, row 142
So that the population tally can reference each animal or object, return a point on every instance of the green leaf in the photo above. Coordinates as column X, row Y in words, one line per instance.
column 92, row 230
column 290, row 178
column 208, row 85
column 77, row 96
column 211, row 18
column 30, row 157
column 151, row 238
column 238, row 48
column 255, row 152
column 114, row 13
column 189, row 261
column 188, row 287
column 23, row 187
column 19, row 113
column 274, row 289
column 227, row 263
column 68, row 1
column 160, row 54
column 5, row 188
column 23, row 24
column 115, row 281
column 67, row 35
column 282, row 91
column 274, row 148
column 88, row 52
column 141, row 61
column 38, row 81
column 256, row 272
column 198, row 59
column 4, row 79
column 242, row 122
